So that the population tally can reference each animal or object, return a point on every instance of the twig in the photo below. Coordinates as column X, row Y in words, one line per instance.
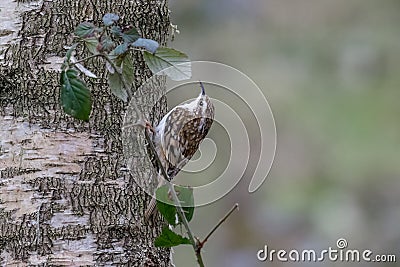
column 127, row 88
column 200, row 244
column 177, row 203
column 86, row 58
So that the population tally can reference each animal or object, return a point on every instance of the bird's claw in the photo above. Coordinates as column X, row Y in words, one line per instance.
column 148, row 126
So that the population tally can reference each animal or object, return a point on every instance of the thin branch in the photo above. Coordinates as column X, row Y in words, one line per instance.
column 127, row 88
column 177, row 203
column 141, row 120
column 116, row 70
column 200, row 244
column 86, row 58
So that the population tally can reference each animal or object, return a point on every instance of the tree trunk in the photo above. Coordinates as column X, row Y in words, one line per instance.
column 66, row 197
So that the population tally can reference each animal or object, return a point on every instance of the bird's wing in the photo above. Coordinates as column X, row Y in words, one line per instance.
column 172, row 142
column 182, row 135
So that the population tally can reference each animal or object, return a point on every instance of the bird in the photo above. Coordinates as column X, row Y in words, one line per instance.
column 177, row 137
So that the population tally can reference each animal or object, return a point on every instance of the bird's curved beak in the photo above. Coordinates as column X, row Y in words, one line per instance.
column 203, row 92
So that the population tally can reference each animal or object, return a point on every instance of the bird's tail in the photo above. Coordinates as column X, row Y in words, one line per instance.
column 151, row 209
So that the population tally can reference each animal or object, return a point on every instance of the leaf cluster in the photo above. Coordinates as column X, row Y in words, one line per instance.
column 167, row 208
column 115, row 44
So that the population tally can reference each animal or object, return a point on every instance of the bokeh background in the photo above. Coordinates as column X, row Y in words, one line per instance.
column 331, row 73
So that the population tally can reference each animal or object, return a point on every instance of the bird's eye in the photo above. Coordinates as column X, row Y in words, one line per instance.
column 201, row 103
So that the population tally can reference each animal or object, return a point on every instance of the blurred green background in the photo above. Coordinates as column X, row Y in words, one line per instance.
column 331, row 73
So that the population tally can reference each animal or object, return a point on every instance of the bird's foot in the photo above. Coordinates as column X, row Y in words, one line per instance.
column 149, row 127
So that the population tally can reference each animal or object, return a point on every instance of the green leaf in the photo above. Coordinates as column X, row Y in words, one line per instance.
column 128, row 70
column 168, row 61
column 75, row 97
column 148, row 44
column 130, row 34
column 124, row 62
column 185, row 195
column 107, row 44
column 68, row 56
column 116, row 30
column 124, row 72
column 117, row 86
column 169, row 239
column 85, row 29
column 91, row 45
column 69, row 52
column 85, row 71
column 118, row 51
column 165, row 205
column 110, row 18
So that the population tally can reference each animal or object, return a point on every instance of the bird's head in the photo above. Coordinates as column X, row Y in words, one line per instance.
column 203, row 106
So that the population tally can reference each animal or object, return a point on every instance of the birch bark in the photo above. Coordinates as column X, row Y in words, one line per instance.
column 65, row 195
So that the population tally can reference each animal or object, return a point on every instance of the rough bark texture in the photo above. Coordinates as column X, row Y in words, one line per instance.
column 66, row 197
